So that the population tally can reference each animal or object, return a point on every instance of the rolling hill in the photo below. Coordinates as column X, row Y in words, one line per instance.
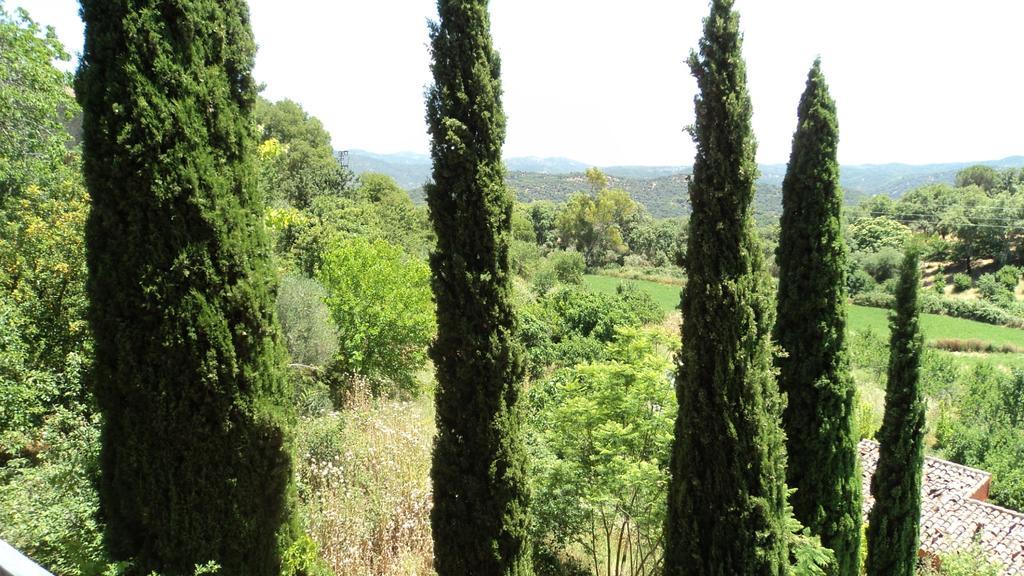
column 662, row 189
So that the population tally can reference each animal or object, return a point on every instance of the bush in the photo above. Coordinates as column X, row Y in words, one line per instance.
column 973, row 345
column 610, row 484
column 306, row 322
column 939, row 285
column 859, row 281
column 884, row 264
column 984, row 427
column 1009, row 276
column 993, row 290
column 49, row 507
column 962, row 282
column 381, row 302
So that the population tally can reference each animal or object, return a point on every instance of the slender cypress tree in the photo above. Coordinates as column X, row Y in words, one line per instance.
column 479, row 518
column 894, row 521
column 188, row 369
column 727, row 493
column 821, row 444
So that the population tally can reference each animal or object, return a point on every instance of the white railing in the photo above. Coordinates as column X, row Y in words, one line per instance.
column 14, row 563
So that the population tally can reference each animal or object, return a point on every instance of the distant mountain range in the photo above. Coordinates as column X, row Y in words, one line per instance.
column 662, row 189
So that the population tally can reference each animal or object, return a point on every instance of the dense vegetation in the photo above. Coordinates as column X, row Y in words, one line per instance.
column 811, row 329
column 593, row 283
column 727, row 496
column 181, row 294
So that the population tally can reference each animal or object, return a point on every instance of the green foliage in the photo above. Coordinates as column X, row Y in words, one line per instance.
column 814, row 372
column 1009, row 276
column 559, row 267
column 48, row 503
column 478, row 455
column 306, row 324
column 727, row 497
column 188, row 369
column 594, row 225
column 380, row 301
column 992, row 289
column 984, row 177
column 962, row 282
column 873, row 234
column 807, row 555
column 939, row 284
column 306, row 164
column 36, row 105
column 582, row 312
column 984, row 427
column 894, row 520
column 881, row 265
column 604, row 490
column 970, row 562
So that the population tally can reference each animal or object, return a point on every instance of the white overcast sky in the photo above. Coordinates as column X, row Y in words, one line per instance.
column 605, row 81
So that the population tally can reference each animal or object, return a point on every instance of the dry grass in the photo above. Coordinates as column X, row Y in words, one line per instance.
column 365, row 486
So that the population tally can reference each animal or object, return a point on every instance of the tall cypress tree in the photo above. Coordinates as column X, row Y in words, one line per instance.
column 479, row 518
column 821, row 444
column 727, row 493
column 894, row 521
column 188, row 370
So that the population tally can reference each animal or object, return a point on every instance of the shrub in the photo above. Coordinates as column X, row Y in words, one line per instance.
column 973, row 345
column 984, row 427
column 884, row 264
column 306, row 322
column 962, row 282
column 1009, row 276
column 939, row 285
column 49, row 508
column 609, row 485
column 993, row 290
column 381, row 302
column 859, row 281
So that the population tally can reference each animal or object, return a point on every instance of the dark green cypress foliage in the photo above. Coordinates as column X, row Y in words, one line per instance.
column 188, row 370
column 894, row 521
column 821, row 443
column 479, row 518
column 727, row 494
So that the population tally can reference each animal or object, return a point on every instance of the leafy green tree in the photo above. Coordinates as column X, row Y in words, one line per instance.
column 544, row 215
column 984, row 427
column 481, row 494
column 596, row 179
column 35, row 103
column 873, row 234
column 894, row 521
column 593, row 225
column 308, row 166
column 821, row 443
column 984, row 177
column 380, row 301
column 604, row 490
column 188, row 368
column 727, row 497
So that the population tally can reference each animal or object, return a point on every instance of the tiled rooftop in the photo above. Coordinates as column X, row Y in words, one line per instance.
column 954, row 513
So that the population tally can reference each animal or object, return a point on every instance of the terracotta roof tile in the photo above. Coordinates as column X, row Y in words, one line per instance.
column 951, row 516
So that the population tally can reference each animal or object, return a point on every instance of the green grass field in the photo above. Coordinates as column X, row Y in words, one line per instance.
column 935, row 327
column 861, row 318
column 666, row 295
